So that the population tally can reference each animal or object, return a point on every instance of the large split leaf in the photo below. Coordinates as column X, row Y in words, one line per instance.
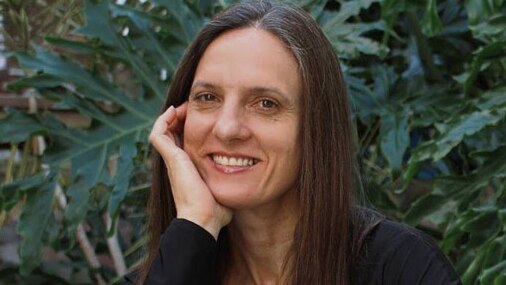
column 452, row 132
column 33, row 221
column 447, row 189
column 348, row 39
column 113, row 135
column 11, row 193
column 395, row 137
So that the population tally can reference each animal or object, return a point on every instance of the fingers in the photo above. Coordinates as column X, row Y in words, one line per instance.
column 161, row 124
column 181, row 111
column 176, row 125
column 165, row 135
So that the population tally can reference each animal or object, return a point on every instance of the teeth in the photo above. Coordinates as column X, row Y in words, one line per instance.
column 233, row 161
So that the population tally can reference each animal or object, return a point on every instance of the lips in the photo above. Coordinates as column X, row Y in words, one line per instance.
column 232, row 163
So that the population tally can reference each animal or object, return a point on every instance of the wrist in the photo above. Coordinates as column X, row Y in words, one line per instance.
column 211, row 225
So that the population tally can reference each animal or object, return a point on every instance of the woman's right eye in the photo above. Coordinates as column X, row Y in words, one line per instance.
column 205, row 97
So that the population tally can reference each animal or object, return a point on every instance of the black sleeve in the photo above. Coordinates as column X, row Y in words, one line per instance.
column 399, row 255
column 186, row 256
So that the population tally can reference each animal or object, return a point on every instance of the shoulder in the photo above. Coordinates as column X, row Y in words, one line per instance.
column 394, row 253
column 389, row 236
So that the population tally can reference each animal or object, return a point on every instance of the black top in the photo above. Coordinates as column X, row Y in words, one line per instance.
column 393, row 254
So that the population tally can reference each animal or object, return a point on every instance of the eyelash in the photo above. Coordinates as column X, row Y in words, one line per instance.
column 202, row 97
column 273, row 104
column 210, row 98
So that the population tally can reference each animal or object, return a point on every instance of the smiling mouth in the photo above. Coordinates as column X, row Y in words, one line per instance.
column 231, row 161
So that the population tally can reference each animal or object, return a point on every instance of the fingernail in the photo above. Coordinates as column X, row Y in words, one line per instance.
column 170, row 108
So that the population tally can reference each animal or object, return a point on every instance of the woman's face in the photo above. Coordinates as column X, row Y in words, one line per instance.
column 242, row 123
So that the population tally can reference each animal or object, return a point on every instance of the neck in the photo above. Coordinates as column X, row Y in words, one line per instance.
column 261, row 239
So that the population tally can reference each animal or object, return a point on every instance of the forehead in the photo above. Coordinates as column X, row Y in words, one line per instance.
column 249, row 58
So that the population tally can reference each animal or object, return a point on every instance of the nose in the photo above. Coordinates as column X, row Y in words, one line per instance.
column 230, row 124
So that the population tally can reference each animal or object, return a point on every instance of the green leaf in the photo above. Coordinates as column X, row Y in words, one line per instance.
column 201, row 7
column 500, row 279
column 425, row 206
column 32, row 223
column 35, row 81
column 489, row 274
column 492, row 99
column 473, row 270
column 363, row 100
column 88, row 150
column 390, row 10
column 347, row 39
column 431, row 24
column 11, row 130
column 394, row 134
column 483, row 56
column 351, row 8
column 479, row 10
column 483, row 221
column 151, row 43
column 453, row 132
column 122, row 179
column 188, row 22
column 87, row 84
column 447, row 188
column 87, row 169
column 495, row 252
column 384, row 78
column 502, row 217
column 491, row 30
column 100, row 25
column 10, row 193
column 78, row 47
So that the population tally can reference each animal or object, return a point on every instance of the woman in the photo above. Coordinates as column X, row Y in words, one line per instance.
column 253, row 171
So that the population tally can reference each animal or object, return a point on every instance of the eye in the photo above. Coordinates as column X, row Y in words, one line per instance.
column 267, row 104
column 205, row 97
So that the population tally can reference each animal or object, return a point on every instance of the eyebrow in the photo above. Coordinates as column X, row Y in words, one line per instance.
column 252, row 90
column 203, row 84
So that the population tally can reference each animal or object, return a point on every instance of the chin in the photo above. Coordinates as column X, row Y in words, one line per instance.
column 234, row 199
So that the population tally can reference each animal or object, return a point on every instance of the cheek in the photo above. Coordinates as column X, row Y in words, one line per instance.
column 285, row 138
column 194, row 131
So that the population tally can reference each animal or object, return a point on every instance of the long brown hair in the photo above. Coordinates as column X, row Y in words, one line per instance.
column 325, row 241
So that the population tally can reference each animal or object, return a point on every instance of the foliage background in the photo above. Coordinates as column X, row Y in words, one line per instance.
column 427, row 83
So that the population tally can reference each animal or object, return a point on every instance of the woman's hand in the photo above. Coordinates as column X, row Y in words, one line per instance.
column 194, row 201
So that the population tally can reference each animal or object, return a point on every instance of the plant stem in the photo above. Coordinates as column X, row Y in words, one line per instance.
column 369, row 136
column 23, row 164
column 89, row 253
column 84, row 242
column 424, row 51
column 9, row 171
column 113, row 245
column 3, row 218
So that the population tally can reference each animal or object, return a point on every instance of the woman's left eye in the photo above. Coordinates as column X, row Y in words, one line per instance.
column 267, row 104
